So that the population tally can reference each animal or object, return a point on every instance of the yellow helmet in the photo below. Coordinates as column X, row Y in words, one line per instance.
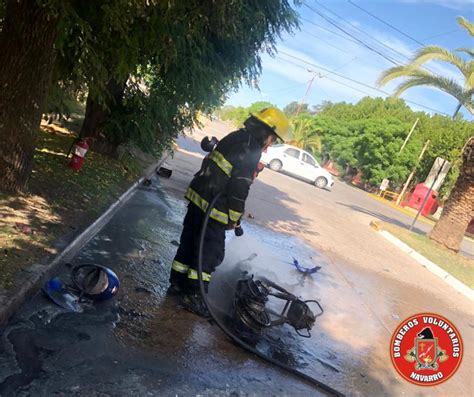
column 276, row 120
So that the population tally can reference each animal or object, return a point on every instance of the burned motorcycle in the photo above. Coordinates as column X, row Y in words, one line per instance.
column 251, row 305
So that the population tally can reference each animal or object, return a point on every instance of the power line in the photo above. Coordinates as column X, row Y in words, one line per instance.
column 324, row 41
column 362, row 31
column 385, row 23
column 346, row 85
column 325, row 76
column 442, row 34
column 358, row 82
column 305, row 68
column 334, row 80
column 397, row 63
column 345, row 64
column 305, row 96
column 330, row 31
column 329, row 20
column 322, row 89
column 339, row 67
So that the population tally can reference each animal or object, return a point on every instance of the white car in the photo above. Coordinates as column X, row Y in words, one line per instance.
column 295, row 161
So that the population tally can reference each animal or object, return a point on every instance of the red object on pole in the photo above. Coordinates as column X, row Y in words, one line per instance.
column 80, row 151
column 417, row 197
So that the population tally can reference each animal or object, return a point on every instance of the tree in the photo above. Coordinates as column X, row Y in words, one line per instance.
column 32, row 33
column 377, row 150
column 458, row 211
column 28, row 31
column 206, row 51
column 367, row 136
column 447, row 138
column 239, row 114
column 415, row 75
column 305, row 134
column 148, row 66
column 258, row 106
column 295, row 107
column 236, row 115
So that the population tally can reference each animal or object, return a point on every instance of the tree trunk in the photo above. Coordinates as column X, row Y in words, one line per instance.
column 459, row 209
column 94, row 118
column 97, row 112
column 26, row 48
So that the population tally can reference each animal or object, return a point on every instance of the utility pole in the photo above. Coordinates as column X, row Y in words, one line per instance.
column 305, row 96
column 409, row 135
column 405, row 186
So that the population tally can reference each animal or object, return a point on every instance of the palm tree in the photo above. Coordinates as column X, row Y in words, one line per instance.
column 415, row 75
column 305, row 135
column 459, row 208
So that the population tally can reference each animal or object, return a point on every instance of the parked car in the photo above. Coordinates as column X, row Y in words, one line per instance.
column 297, row 162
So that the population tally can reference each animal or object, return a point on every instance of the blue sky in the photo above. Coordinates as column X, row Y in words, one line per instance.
column 285, row 78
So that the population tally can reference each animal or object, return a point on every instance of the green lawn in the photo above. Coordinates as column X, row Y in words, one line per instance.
column 61, row 202
column 455, row 264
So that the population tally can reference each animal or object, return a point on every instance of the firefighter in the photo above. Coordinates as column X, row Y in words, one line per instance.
column 229, row 168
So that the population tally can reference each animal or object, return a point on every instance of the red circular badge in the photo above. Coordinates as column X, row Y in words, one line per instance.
column 426, row 349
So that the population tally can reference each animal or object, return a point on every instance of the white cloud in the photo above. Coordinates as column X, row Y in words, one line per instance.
column 366, row 68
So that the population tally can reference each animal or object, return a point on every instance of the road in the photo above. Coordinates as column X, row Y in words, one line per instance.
column 355, row 199
column 142, row 343
column 383, row 285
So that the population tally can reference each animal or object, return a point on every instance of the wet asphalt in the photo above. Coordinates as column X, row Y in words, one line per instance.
column 142, row 342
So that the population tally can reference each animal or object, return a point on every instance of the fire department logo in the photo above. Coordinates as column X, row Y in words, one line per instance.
column 426, row 349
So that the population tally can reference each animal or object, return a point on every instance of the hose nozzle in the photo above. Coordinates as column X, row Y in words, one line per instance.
column 238, row 229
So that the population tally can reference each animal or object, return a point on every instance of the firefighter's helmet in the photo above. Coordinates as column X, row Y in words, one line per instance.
column 276, row 120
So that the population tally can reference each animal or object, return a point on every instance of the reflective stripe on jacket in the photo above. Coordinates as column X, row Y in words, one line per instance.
column 228, row 169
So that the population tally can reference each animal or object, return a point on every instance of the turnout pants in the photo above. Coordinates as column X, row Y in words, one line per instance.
column 185, row 264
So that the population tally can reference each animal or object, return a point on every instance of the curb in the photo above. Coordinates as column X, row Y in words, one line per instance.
column 426, row 263
column 37, row 273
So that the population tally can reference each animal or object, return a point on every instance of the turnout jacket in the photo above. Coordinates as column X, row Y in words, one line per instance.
column 229, row 169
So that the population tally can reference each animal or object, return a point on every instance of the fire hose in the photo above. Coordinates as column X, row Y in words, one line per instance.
column 235, row 337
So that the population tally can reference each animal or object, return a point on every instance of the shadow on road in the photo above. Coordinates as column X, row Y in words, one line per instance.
column 380, row 216
column 287, row 220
